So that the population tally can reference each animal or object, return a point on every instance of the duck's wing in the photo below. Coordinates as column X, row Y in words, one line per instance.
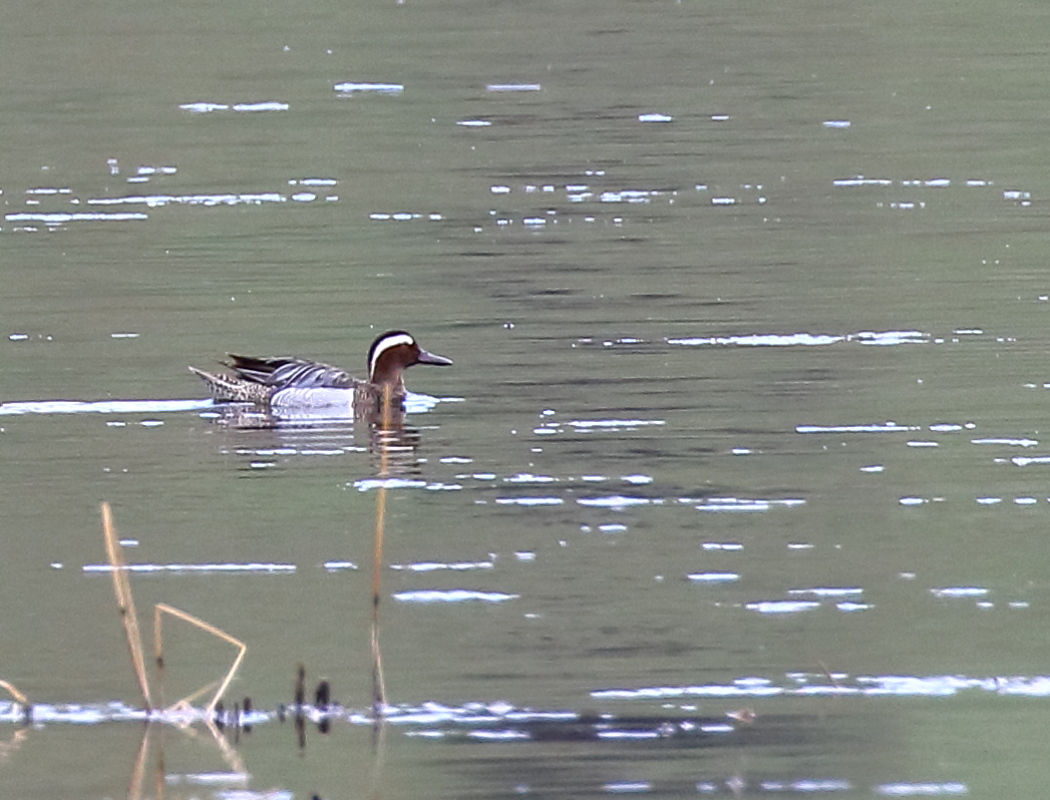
column 284, row 372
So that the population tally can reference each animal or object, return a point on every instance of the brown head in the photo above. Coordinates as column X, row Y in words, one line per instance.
column 392, row 353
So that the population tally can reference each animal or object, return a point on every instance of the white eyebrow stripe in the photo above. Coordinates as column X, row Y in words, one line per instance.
column 386, row 344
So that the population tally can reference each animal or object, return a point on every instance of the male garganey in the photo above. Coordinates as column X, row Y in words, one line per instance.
column 286, row 382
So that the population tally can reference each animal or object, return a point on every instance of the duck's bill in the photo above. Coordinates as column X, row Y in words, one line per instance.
column 432, row 359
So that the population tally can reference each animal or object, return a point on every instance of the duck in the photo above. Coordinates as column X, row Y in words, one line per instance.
column 287, row 382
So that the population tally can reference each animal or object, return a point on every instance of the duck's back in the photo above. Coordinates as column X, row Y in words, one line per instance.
column 285, row 372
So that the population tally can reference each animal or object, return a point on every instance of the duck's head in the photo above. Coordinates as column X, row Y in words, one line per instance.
column 392, row 353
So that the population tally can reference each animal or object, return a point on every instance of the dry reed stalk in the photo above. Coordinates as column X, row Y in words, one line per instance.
column 159, row 776
column 125, row 602
column 229, row 753
column 186, row 703
column 378, row 685
column 163, row 608
column 138, row 772
column 11, row 690
column 828, row 675
column 11, row 746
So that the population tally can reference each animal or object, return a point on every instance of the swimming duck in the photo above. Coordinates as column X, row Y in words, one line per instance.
column 287, row 382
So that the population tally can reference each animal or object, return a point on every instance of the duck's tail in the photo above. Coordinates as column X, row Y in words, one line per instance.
column 224, row 387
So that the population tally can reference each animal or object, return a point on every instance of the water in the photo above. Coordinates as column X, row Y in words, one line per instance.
column 737, row 483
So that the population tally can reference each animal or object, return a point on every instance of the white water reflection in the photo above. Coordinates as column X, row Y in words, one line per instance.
column 60, row 218
column 1027, row 461
column 806, row 339
column 714, row 577
column 829, row 591
column 1006, row 441
column 437, row 566
column 414, row 404
column 782, row 606
column 404, row 216
column 205, row 107
column 160, row 200
column 253, row 568
column 803, row 684
column 104, row 406
column 877, row 427
column 529, row 501
column 350, row 87
column 513, row 87
column 452, row 596
column 925, row 789
column 618, row 502
column 594, row 425
column 743, row 504
column 959, row 591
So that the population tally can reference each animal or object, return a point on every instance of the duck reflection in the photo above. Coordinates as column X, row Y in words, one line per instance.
column 262, row 433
